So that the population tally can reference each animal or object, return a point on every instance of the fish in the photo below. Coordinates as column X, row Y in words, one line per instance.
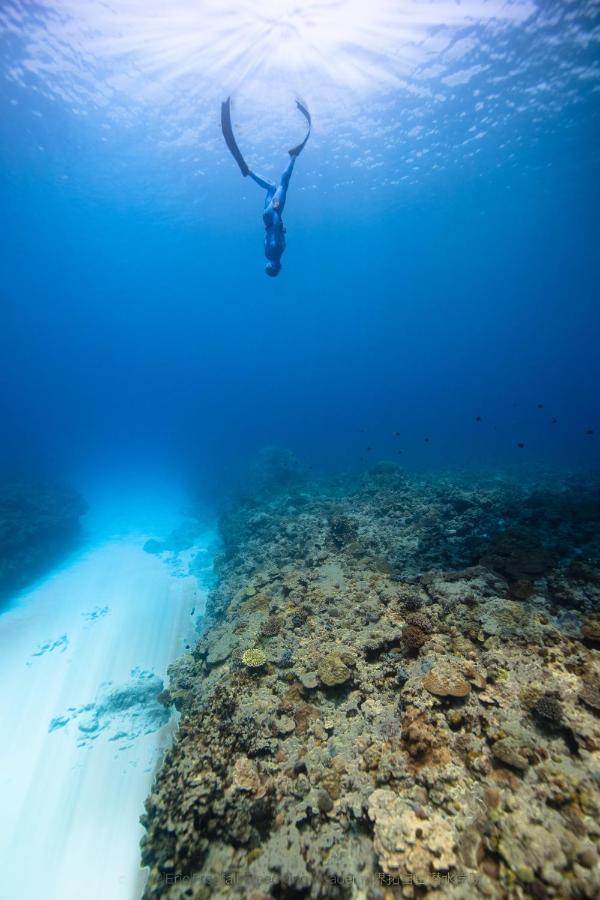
column 520, row 444
column 590, row 431
column 478, row 418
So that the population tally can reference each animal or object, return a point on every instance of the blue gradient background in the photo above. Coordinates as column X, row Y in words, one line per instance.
column 137, row 325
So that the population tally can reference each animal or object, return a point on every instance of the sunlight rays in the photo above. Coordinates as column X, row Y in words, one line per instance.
column 348, row 44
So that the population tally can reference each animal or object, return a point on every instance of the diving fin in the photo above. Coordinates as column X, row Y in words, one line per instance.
column 230, row 138
column 296, row 151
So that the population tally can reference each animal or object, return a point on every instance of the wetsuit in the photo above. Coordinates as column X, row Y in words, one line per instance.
column 273, row 211
column 276, row 194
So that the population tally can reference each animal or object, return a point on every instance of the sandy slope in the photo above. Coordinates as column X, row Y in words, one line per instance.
column 72, row 796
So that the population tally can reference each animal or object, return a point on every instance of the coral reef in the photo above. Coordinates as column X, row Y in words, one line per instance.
column 38, row 521
column 397, row 694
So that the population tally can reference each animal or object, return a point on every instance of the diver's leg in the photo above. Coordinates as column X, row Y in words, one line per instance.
column 285, row 178
column 262, row 182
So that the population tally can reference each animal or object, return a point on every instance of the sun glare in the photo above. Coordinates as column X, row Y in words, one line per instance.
column 355, row 45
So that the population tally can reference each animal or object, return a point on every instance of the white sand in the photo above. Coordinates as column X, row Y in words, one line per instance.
column 70, row 813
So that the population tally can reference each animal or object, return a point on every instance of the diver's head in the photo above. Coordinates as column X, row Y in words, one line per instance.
column 273, row 268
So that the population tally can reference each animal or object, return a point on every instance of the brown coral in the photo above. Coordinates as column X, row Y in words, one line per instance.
column 413, row 637
column 421, row 738
column 445, row 681
column 549, row 709
column 418, row 620
column 271, row 627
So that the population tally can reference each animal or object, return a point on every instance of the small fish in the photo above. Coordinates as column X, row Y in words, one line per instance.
column 553, row 421
column 369, row 449
column 426, row 440
column 540, row 406
column 590, row 431
column 398, row 451
column 396, row 434
column 520, row 444
column 478, row 418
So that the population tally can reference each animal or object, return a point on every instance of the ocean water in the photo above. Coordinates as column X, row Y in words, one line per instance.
column 437, row 306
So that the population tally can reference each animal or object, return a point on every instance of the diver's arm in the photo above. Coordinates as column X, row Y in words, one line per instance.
column 262, row 182
column 285, row 178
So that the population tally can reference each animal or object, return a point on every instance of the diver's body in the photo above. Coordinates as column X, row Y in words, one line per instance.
column 276, row 193
column 272, row 216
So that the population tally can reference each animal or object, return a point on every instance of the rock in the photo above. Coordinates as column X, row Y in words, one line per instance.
column 506, row 751
column 333, row 669
column 590, row 630
column 588, row 858
column 39, row 521
column 517, row 554
column 219, row 650
column 407, row 843
column 285, row 725
column 444, row 681
column 324, row 801
column 309, row 680
column 590, row 695
column 245, row 777
column 153, row 546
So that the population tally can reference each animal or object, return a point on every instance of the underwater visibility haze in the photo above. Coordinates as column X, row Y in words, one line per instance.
column 354, row 508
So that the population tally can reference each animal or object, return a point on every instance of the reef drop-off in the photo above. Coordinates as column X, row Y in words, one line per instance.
column 397, row 692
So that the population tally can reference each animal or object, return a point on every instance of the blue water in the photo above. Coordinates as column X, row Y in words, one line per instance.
column 438, row 306
column 442, row 238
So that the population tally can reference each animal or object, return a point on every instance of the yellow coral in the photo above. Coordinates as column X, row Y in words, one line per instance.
column 254, row 658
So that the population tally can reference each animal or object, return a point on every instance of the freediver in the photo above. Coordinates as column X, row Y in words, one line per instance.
column 276, row 193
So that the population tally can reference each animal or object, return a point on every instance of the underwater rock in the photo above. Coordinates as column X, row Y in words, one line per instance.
column 444, row 681
column 123, row 711
column 346, row 753
column 219, row 649
column 245, row 777
column 409, row 843
column 507, row 751
column 38, row 522
column 590, row 630
column 590, row 695
column 333, row 669
column 518, row 555
column 275, row 469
